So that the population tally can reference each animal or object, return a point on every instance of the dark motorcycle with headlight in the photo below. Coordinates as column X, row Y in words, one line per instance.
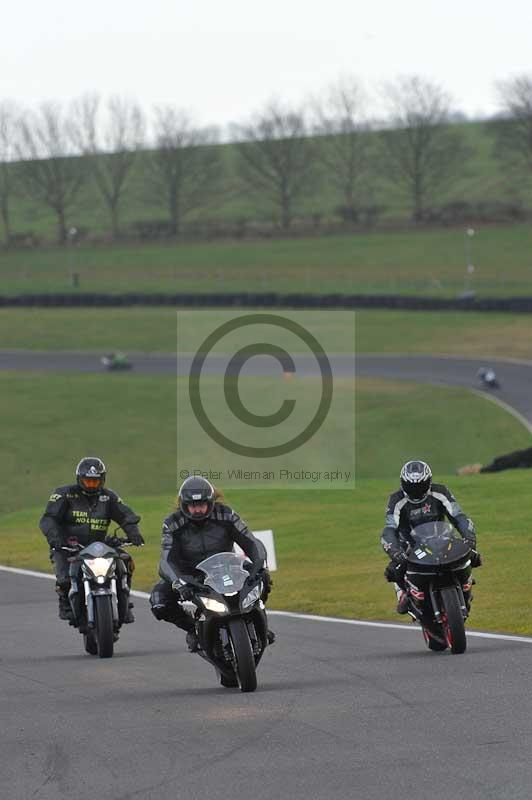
column 230, row 620
column 99, row 594
column 438, row 582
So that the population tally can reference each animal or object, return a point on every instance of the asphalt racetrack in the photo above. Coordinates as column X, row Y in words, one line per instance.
column 341, row 711
column 515, row 376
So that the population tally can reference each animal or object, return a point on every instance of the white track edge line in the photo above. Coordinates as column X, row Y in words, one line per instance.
column 309, row 617
column 505, row 407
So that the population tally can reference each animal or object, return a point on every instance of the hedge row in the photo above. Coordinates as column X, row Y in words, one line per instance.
column 271, row 300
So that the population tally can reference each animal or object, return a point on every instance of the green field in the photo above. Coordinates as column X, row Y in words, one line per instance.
column 49, row 421
column 429, row 262
column 335, row 567
column 155, row 330
column 327, row 541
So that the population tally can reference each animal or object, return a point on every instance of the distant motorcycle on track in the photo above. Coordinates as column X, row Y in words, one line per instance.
column 230, row 620
column 116, row 362
column 438, row 584
column 99, row 593
column 488, row 378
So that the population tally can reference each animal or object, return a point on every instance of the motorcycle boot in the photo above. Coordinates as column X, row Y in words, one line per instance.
column 65, row 609
column 402, row 601
column 129, row 615
column 192, row 641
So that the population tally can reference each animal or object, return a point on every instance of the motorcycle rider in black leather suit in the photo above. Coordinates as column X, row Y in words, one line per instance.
column 416, row 502
column 83, row 511
column 200, row 527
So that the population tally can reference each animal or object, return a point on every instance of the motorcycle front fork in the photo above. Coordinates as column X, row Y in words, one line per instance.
column 418, row 597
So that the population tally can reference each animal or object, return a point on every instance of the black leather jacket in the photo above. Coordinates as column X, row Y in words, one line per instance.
column 185, row 543
column 70, row 512
column 402, row 515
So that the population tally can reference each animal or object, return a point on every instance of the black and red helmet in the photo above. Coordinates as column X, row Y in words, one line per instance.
column 90, row 475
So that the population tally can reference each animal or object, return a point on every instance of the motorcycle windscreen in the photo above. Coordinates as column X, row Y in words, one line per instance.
column 224, row 572
column 97, row 550
column 437, row 543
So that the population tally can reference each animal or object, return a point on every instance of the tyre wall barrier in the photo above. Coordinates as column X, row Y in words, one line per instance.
column 270, row 300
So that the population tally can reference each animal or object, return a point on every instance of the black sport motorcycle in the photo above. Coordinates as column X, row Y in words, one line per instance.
column 230, row 620
column 99, row 593
column 438, row 583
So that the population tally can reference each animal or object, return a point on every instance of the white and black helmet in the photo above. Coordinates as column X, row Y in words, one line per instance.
column 416, row 480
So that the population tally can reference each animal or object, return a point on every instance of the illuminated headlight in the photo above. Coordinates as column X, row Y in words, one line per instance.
column 214, row 605
column 99, row 566
column 252, row 597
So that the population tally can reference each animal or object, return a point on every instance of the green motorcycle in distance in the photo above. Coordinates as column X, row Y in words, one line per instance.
column 116, row 361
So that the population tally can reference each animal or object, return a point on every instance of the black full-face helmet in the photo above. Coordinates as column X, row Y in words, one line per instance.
column 196, row 498
column 416, row 480
column 90, row 475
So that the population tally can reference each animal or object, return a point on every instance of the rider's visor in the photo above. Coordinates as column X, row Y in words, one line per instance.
column 91, row 483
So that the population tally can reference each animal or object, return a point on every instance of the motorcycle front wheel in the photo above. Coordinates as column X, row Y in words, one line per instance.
column 453, row 621
column 245, row 662
column 104, row 630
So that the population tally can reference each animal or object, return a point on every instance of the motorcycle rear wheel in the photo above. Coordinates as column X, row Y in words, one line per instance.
column 104, row 630
column 453, row 621
column 245, row 661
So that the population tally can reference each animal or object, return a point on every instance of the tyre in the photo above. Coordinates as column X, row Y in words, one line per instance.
column 453, row 621
column 244, row 660
column 89, row 643
column 104, row 630
column 229, row 683
column 433, row 644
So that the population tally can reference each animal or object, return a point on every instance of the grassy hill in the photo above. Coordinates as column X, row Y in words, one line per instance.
column 481, row 181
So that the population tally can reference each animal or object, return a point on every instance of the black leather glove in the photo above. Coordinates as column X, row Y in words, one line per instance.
column 55, row 542
column 476, row 558
column 253, row 576
column 395, row 567
column 134, row 536
column 184, row 592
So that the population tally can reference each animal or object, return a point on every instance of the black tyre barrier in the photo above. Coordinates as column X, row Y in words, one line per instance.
column 270, row 300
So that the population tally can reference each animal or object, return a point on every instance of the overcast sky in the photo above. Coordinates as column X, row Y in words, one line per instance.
column 222, row 59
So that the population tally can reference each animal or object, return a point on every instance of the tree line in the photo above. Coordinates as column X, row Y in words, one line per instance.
column 280, row 154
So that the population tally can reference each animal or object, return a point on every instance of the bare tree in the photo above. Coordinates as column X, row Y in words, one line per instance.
column 344, row 146
column 48, row 169
column 276, row 157
column 111, row 148
column 421, row 151
column 185, row 166
column 8, row 132
column 513, row 130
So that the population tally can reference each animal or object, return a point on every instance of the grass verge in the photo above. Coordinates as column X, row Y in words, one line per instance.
column 129, row 420
column 155, row 329
column 405, row 262
column 327, row 543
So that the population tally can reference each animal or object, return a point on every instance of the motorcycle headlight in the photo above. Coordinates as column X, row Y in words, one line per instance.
column 251, row 597
column 100, row 567
column 214, row 605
